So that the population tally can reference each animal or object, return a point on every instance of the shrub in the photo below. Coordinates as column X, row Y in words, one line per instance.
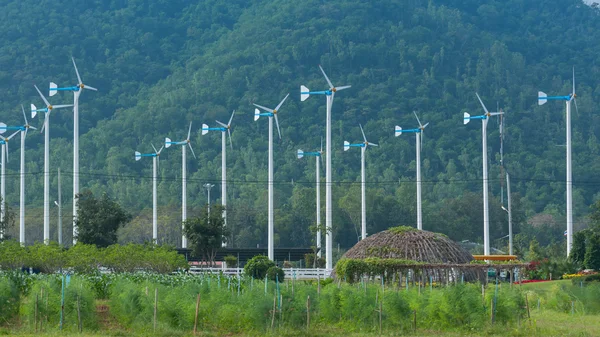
column 9, row 299
column 258, row 266
column 275, row 274
column 231, row 261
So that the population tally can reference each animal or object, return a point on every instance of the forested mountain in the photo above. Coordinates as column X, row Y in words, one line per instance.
column 160, row 64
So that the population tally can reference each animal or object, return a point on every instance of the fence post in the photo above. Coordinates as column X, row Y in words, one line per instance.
column 196, row 315
column 155, row 306
column 308, row 312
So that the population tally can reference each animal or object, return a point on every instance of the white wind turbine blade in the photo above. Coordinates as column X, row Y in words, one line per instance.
column 326, row 78
column 221, row 124
column 156, row 152
column 42, row 96
column 230, row 141
column 264, row 108
column 168, row 142
column 45, row 122
column 230, row 119
column 24, row 116
column 363, row 133
column 483, row 105
column 574, row 95
column 281, row 103
column 5, row 148
column 277, row 123
column 85, row 86
column 372, row 144
column 159, row 151
column 466, row 118
column 189, row 132
column 343, row 87
column 52, row 92
column 417, row 117
column 62, row 106
column 76, row 71
column 193, row 154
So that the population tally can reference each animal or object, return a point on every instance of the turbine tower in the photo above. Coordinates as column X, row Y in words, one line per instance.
column 155, row 164
column 225, row 128
column 183, row 144
column 318, row 158
column 23, row 129
column 329, row 95
column 46, row 127
column 486, row 216
column 77, row 90
column 419, row 133
column 270, row 113
column 542, row 99
column 4, row 149
column 363, row 147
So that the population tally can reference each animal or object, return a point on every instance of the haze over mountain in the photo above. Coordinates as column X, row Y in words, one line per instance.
column 162, row 64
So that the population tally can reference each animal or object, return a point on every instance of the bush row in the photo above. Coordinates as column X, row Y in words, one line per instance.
column 86, row 259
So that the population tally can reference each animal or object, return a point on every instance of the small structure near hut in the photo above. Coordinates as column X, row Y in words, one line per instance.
column 403, row 251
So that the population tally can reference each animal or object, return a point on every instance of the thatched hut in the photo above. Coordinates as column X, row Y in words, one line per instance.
column 427, row 255
column 408, row 243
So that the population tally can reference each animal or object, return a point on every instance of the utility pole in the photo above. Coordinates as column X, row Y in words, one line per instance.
column 208, row 186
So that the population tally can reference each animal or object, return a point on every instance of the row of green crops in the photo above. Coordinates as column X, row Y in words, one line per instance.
column 250, row 306
column 242, row 304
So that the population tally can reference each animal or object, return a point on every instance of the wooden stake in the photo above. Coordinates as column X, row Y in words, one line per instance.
column 155, row 306
column 35, row 313
column 196, row 315
column 380, row 314
column 79, row 324
column 492, row 310
column 273, row 312
column 527, row 306
column 308, row 312
column 415, row 320
column 41, row 318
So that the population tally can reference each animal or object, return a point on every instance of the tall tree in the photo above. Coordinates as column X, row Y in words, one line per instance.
column 206, row 233
column 98, row 219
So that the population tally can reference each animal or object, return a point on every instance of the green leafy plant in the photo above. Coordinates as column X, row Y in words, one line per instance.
column 258, row 266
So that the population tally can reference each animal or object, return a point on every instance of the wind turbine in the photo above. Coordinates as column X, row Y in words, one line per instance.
column 77, row 90
column 23, row 129
column 270, row 113
column 486, row 216
column 318, row 159
column 183, row 144
column 224, row 128
column 542, row 99
column 4, row 149
column 419, row 133
column 46, row 127
column 363, row 147
column 155, row 164
column 329, row 95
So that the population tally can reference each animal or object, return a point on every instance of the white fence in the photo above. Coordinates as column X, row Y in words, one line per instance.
column 290, row 273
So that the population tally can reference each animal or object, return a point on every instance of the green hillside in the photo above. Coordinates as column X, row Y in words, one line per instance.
column 160, row 65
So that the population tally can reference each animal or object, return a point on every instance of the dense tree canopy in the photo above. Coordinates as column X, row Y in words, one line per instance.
column 160, row 64
column 98, row 219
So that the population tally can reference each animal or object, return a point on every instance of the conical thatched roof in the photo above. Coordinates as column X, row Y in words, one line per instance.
column 408, row 243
